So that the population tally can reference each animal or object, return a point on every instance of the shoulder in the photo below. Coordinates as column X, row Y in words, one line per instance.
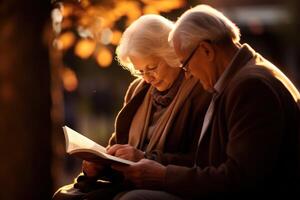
column 258, row 71
column 134, row 87
column 256, row 85
column 253, row 82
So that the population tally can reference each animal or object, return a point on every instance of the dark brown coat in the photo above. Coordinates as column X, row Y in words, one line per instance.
column 252, row 143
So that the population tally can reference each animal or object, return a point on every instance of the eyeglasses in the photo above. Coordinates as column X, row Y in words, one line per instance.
column 148, row 71
column 184, row 65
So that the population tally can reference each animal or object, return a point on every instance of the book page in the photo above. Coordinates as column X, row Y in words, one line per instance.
column 75, row 140
column 79, row 144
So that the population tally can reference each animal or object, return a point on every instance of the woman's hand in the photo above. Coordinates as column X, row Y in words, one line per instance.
column 126, row 151
column 92, row 169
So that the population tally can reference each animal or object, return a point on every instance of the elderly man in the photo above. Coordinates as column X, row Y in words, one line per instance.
column 249, row 143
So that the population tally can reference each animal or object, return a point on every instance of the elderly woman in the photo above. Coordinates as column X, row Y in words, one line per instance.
column 163, row 110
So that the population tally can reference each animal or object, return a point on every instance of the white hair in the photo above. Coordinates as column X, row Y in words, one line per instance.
column 203, row 23
column 147, row 36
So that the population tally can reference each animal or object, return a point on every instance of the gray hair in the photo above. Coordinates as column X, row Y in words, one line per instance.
column 203, row 23
column 147, row 36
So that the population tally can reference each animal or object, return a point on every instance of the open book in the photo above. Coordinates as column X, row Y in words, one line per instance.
column 86, row 149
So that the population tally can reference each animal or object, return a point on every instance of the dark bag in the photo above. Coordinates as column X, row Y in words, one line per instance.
column 85, row 188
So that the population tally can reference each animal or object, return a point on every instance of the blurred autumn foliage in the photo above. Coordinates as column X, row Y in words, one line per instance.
column 94, row 28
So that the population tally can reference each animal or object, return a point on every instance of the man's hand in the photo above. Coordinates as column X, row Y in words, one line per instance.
column 126, row 151
column 92, row 169
column 146, row 174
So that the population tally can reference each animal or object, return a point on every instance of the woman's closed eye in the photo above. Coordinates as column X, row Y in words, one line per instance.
column 151, row 68
column 148, row 69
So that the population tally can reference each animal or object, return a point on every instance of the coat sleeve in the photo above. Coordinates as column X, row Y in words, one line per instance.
column 254, row 123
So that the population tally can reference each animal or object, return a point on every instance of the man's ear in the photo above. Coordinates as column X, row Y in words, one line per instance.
column 208, row 50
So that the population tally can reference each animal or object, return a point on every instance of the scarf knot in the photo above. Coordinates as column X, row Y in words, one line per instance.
column 163, row 99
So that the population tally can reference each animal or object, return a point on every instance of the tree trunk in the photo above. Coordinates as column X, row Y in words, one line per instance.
column 25, row 123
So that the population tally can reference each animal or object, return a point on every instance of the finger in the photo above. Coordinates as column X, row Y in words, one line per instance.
column 123, row 151
column 117, row 146
column 126, row 157
column 112, row 150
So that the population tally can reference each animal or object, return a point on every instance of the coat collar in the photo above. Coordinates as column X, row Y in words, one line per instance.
column 244, row 54
column 126, row 114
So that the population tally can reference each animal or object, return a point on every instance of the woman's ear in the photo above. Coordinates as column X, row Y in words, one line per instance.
column 208, row 50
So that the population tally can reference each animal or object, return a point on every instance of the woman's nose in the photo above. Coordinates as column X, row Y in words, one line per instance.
column 148, row 78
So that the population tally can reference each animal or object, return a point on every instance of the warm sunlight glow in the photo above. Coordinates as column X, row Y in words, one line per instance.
column 85, row 3
column 150, row 10
column 116, row 36
column 104, row 57
column 133, row 12
column 65, row 41
column 67, row 23
column 57, row 18
column 85, row 20
column 167, row 5
column 84, row 32
column 56, row 15
column 106, row 36
column 287, row 83
column 67, row 10
column 90, row 24
column 85, row 48
column 69, row 79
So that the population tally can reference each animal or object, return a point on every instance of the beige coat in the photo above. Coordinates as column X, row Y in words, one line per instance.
column 181, row 136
